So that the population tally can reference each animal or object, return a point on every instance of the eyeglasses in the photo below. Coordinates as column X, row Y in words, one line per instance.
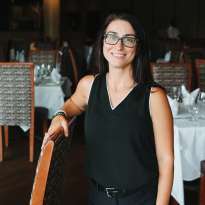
column 128, row 41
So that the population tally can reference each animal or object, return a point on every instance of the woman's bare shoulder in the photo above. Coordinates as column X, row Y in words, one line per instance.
column 159, row 102
column 86, row 81
column 82, row 92
column 158, row 95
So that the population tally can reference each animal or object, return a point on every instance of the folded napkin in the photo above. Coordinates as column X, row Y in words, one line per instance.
column 189, row 98
column 202, row 95
column 167, row 56
column 55, row 76
column 174, row 105
column 166, row 59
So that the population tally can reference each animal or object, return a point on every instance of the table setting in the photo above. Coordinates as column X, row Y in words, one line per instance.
column 188, row 109
column 51, row 88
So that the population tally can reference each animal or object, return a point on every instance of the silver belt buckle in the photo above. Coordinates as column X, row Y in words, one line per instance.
column 110, row 191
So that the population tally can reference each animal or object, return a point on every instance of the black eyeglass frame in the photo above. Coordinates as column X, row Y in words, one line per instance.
column 137, row 40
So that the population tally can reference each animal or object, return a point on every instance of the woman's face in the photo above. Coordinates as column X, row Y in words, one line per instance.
column 120, row 52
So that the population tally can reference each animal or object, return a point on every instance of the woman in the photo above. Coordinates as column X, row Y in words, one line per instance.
column 128, row 122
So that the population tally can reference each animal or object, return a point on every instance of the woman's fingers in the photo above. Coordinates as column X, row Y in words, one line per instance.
column 58, row 127
column 45, row 140
column 64, row 125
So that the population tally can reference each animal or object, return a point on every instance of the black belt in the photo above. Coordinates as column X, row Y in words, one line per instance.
column 113, row 192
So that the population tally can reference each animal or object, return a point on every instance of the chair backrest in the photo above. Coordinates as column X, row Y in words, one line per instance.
column 16, row 94
column 202, row 184
column 75, row 68
column 200, row 73
column 39, row 57
column 41, row 176
column 191, row 54
column 172, row 74
column 47, row 186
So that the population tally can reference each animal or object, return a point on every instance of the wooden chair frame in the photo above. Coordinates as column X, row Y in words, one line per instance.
column 42, row 170
column 49, row 172
column 31, row 130
column 202, row 184
column 198, row 63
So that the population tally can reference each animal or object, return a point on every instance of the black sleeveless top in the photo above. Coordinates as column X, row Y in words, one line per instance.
column 120, row 148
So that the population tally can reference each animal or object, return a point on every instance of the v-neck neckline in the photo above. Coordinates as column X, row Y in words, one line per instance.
column 122, row 100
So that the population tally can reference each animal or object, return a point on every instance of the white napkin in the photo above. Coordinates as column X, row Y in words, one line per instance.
column 167, row 56
column 36, row 74
column 202, row 95
column 189, row 98
column 174, row 105
column 55, row 76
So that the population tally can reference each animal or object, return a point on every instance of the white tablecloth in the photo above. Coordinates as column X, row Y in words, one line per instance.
column 51, row 95
column 189, row 150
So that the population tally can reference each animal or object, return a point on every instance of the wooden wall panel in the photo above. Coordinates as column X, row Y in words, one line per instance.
column 153, row 14
column 186, row 11
column 163, row 12
column 201, row 19
column 143, row 11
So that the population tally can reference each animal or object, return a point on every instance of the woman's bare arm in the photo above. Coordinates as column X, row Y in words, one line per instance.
column 163, row 131
column 75, row 105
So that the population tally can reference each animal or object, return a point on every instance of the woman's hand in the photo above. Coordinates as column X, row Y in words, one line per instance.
column 58, row 127
column 74, row 106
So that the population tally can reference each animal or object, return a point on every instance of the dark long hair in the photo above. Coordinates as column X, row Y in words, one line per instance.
column 141, row 69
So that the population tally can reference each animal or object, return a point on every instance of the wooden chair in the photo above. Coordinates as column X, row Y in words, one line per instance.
column 190, row 56
column 69, row 66
column 17, row 101
column 172, row 74
column 47, row 186
column 75, row 68
column 46, row 57
column 202, row 184
column 200, row 73
column 39, row 57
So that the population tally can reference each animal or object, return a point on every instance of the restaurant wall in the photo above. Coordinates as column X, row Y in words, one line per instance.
column 154, row 14
column 80, row 19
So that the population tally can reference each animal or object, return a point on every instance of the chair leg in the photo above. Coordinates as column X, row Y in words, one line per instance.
column 173, row 201
column 1, row 145
column 6, row 134
column 202, row 184
column 31, row 144
column 45, row 126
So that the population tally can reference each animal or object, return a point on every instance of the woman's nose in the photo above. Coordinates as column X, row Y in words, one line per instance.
column 119, row 44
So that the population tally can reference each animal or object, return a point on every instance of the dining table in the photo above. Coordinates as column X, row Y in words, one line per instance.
column 189, row 150
column 51, row 94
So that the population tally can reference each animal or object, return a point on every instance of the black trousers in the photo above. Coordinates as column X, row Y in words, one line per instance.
column 141, row 197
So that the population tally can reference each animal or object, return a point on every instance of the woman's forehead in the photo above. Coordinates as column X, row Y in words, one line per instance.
column 120, row 27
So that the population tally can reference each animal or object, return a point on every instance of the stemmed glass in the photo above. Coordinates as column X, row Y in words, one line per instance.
column 194, row 112
column 201, row 103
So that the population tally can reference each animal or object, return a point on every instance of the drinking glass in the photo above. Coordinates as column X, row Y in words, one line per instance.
column 194, row 112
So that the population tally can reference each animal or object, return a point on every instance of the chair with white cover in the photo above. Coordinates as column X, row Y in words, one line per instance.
column 17, row 101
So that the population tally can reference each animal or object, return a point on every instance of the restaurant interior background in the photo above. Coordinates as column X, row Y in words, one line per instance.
column 51, row 22
column 78, row 21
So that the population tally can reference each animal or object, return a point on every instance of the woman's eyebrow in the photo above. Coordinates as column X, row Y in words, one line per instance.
column 131, row 35
column 112, row 32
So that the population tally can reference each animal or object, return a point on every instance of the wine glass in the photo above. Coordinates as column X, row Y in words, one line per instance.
column 194, row 112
